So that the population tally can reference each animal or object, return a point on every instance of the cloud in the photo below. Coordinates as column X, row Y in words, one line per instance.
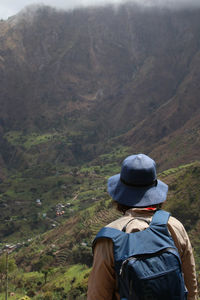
column 10, row 7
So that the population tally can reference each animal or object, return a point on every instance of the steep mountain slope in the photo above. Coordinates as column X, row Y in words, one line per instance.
column 173, row 129
column 72, row 81
column 79, row 91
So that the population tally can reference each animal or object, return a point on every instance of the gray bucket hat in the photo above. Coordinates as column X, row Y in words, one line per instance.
column 137, row 184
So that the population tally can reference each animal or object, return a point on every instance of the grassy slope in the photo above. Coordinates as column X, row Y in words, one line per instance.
column 66, row 251
column 22, row 218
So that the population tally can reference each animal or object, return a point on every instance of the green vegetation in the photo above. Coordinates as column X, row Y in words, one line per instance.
column 73, row 188
column 17, row 138
column 60, row 133
column 54, row 262
column 175, row 170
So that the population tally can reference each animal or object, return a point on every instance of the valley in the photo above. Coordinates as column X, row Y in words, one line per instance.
column 79, row 91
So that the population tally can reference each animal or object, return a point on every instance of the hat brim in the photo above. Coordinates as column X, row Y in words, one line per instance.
column 136, row 196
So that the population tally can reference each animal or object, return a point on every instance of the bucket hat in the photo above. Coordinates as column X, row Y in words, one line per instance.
column 137, row 184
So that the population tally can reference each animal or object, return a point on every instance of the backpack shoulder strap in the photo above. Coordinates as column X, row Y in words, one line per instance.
column 108, row 233
column 160, row 218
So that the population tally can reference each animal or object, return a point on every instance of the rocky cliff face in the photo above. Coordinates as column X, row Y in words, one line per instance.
column 87, row 76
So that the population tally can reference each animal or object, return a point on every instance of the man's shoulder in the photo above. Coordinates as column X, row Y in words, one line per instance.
column 119, row 223
column 175, row 226
column 175, row 222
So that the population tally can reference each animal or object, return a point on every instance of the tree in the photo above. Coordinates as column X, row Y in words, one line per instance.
column 44, row 266
column 7, row 265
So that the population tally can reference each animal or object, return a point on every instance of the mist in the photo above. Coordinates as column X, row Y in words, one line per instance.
column 9, row 7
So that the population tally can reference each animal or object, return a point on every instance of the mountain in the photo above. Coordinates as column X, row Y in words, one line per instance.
column 80, row 91
column 76, row 84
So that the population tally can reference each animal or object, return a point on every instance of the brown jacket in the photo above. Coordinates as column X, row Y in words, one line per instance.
column 102, row 284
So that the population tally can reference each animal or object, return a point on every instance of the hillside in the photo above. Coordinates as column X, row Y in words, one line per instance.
column 72, row 81
column 79, row 91
column 65, row 252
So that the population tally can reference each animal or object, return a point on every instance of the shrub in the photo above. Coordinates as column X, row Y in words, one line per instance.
column 47, row 296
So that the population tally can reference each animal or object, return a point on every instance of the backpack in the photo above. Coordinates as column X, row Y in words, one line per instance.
column 147, row 263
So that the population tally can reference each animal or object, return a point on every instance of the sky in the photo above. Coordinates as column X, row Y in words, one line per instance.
column 11, row 7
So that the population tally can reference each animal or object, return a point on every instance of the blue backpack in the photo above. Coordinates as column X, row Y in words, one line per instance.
column 147, row 263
